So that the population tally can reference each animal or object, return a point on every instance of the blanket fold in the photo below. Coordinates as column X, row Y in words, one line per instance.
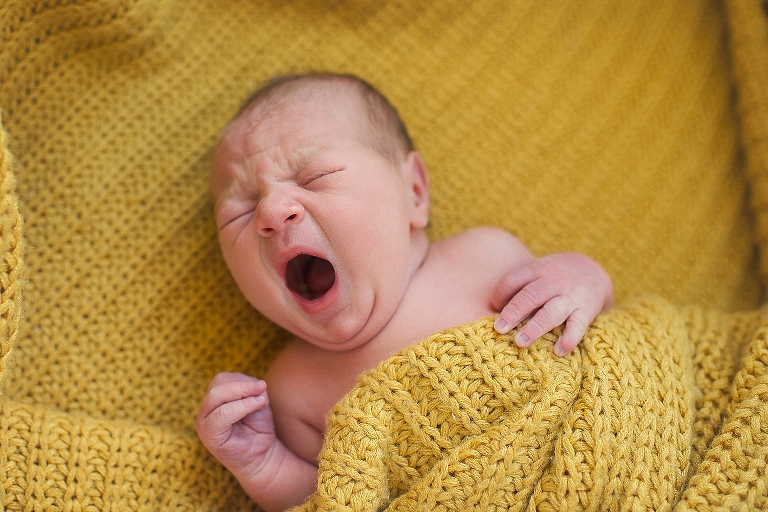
column 11, row 251
column 656, row 409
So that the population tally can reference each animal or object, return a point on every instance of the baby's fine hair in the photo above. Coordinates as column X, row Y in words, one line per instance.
column 388, row 128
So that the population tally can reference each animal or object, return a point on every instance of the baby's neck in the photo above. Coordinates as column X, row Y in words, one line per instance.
column 419, row 250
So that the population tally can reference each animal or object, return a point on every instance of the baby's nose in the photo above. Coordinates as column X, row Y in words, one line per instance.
column 276, row 212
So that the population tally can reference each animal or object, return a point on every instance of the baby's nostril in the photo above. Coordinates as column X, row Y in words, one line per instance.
column 291, row 216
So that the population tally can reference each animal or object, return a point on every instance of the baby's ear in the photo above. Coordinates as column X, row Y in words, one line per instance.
column 417, row 180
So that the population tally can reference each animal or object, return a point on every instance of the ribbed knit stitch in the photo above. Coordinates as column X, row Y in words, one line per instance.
column 632, row 131
column 467, row 421
column 11, row 251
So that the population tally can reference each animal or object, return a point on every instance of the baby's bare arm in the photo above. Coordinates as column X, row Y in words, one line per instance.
column 235, row 423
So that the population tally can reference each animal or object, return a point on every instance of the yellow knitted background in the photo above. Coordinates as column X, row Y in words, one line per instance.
column 636, row 132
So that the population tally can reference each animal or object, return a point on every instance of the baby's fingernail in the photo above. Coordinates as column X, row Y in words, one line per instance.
column 559, row 349
column 501, row 324
column 522, row 340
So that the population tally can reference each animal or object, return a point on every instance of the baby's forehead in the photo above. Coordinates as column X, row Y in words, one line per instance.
column 296, row 120
column 297, row 109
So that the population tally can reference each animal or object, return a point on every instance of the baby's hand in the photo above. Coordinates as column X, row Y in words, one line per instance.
column 235, row 422
column 561, row 288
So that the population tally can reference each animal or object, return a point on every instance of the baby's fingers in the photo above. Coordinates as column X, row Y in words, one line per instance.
column 510, row 285
column 552, row 314
column 575, row 328
column 219, row 422
column 230, row 398
column 529, row 299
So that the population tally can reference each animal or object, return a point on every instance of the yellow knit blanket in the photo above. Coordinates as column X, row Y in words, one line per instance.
column 635, row 132
column 642, row 417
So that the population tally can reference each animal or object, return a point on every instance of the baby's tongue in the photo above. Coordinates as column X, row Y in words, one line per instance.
column 319, row 276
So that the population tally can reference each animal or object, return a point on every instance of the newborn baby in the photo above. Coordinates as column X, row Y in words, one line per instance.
column 321, row 205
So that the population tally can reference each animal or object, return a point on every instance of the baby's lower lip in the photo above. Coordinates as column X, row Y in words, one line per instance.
column 313, row 306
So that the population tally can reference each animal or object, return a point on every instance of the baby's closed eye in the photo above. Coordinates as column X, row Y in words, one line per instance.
column 315, row 178
column 231, row 214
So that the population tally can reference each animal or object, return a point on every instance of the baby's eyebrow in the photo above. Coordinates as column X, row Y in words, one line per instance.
column 230, row 188
column 221, row 197
column 301, row 158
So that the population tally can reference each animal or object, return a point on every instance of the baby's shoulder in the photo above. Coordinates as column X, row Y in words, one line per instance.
column 487, row 243
column 470, row 263
column 489, row 236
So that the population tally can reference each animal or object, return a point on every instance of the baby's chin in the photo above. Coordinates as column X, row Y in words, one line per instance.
column 331, row 309
column 352, row 328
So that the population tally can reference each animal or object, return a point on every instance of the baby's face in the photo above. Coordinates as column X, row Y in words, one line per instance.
column 314, row 224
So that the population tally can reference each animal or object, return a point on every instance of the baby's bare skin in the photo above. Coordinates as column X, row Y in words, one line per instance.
column 325, row 235
column 475, row 260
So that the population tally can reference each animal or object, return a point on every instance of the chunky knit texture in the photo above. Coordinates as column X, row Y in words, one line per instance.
column 466, row 421
column 636, row 132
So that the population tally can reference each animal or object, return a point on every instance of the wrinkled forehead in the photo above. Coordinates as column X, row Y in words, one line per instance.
column 302, row 112
column 295, row 121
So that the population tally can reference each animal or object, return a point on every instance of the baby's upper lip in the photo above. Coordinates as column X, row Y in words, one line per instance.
column 288, row 253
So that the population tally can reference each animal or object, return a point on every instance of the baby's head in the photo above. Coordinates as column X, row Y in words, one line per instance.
column 321, row 205
column 384, row 129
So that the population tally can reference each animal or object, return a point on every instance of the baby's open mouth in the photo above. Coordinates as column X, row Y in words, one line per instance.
column 309, row 276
